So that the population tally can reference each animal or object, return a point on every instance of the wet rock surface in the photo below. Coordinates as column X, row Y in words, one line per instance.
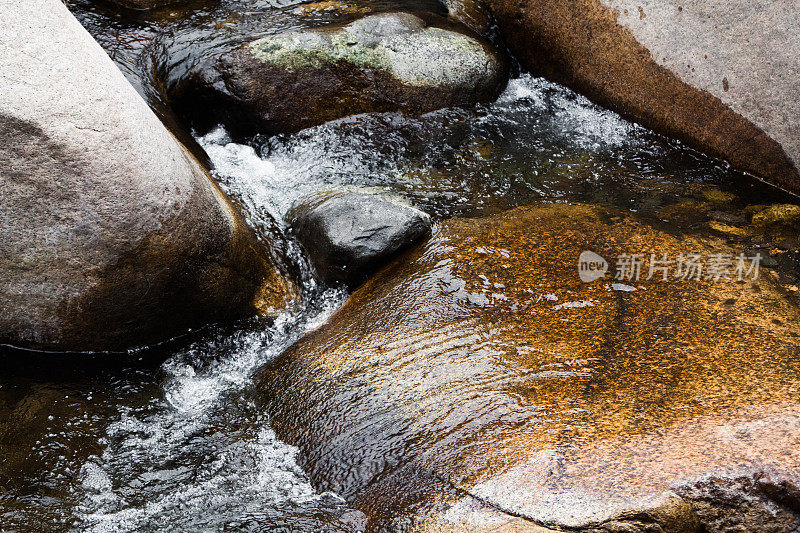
column 350, row 235
column 180, row 446
column 480, row 366
column 720, row 75
column 384, row 62
column 150, row 4
column 112, row 234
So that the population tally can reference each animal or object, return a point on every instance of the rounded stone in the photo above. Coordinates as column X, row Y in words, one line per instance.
column 350, row 235
column 112, row 235
column 379, row 63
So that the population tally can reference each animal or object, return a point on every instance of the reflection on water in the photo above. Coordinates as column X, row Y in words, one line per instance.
column 141, row 445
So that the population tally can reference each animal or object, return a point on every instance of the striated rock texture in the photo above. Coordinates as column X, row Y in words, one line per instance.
column 111, row 234
column 386, row 62
column 476, row 382
column 721, row 75
column 350, row 235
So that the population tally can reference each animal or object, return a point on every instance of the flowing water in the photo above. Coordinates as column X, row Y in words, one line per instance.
column 169, row 438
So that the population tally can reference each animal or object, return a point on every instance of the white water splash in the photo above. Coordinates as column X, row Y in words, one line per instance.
column 179, row 462
column 583, row 123
column 375, row 151
column 272, row 185
column 173, row 448
column 182, row 462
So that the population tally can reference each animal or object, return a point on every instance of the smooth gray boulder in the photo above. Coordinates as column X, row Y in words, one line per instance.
column 111, row 234
column 350, row 235
column 386, row 62
column 722, row 75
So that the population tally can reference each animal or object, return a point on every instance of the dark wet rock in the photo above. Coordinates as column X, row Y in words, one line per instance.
column 473, row 14
column 720, row 75
column 350, row 235
column 150, row 4
column 384, row 62
column 112, row 234
column 476, row 380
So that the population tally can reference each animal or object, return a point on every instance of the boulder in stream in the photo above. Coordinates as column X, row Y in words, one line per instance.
column 349, row 235
column 111, row 234
column 153, row 4
column 478, row 384
column 379, row 63
column 721, row 75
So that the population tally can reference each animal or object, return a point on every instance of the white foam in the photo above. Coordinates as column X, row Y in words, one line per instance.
column 176, row 461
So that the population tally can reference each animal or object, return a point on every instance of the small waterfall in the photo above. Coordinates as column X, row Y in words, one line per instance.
column 200, row 455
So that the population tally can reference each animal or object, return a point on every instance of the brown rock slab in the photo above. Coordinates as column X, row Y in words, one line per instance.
column 480, row 367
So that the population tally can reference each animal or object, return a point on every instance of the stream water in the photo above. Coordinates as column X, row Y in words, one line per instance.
column 169, row 438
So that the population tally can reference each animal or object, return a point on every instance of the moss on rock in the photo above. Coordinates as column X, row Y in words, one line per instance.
column 780, row 214
column 379, row 63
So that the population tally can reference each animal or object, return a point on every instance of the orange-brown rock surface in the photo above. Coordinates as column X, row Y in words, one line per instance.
column 477, row 382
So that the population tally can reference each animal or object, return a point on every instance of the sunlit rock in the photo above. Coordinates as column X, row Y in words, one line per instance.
column 718, row 74
column 334, row 6
column 111, row 234
column 479, row 367
column 385, row 62
column 153, row 4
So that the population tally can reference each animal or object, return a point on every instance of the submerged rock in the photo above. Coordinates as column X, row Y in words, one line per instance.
column 350, row 235
column 384, row 62
column 720, row 75
column 332, row 6
column 786, row 214
column 477, row 380
column 111, row 234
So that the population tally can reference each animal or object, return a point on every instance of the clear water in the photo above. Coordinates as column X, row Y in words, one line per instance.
column 169, row 438
column 538, row 142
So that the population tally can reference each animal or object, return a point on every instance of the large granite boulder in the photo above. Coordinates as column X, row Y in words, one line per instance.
column 478, row 384
column 111, row 234
column 721, row 75
column 349, row 235
column 385, row 62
